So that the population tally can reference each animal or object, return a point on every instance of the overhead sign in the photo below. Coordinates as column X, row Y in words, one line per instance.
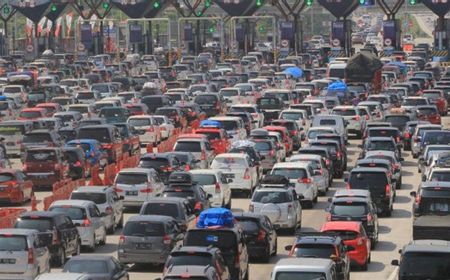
column 336, row 42
column 390, row 33
column 80, row 47
column 32, row 9
column 86, row 34
column 238, row 7
column 287, row 30
column 135, row 34
column 30, row 48
column 284, row 43
column 439, row 7
column 133, row 8
column 340, row 8
column 338, row 33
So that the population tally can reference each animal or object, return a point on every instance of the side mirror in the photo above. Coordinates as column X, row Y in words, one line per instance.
column 395, row 263
column 413, row 194
column 288, row 247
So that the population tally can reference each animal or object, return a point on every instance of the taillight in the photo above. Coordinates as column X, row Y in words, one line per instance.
column 304, row 180
column 247, row 174
column 121, row 240
column 146, row 190
column 166, row 240
column 367, row 117
column 187, row 167
column 416, row 139
column 151, row 129
column 348, row 186
column 327, row 162
column 30, row 256
column 25, row 167
column 356, row 118
column 55, row 238
column 407, row 135
column 294, row 132
column 360, row 242
column 338, row 155
column 272, row 153
column 77, row 164
column 328, row 217
column 198, row 206
column 107, row 146
column 86, row 223
column 418, row 198
column 388, row 190
column 261, row 235
column 369, row 218
column 217, row 188
column 397, row 139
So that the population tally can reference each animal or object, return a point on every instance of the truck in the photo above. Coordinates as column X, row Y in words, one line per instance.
column 365, row 67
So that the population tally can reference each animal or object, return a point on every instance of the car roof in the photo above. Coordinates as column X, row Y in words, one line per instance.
column 380, row 138
column 368, row 169
column 91, row 257
column 232, row 155
column 342, row 225
column 150, row 218
column 165, row 200
column 205, row 171
column 317, row 237
column 17, row 231
column 72, row 202
column 62, row 275
column 352, row 193
column 434, row 184
column 295, row 164
column 93, row 189
column 137, row 170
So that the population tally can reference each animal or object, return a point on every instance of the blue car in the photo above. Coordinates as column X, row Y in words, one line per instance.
column 93, row 150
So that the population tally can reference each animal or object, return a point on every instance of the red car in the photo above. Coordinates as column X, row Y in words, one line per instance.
column 32, row 113
column 287, row 140
column 137, row 109
column 14, row 187
column 428, row 113
column 217, row 137
column 437, row 98
column 52, row 108
column 354, row 235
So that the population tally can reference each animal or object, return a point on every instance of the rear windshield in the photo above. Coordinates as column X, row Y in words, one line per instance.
column 292, row 116
column 143, row 228
column 30, row 114
column 312, row 134
column 382, row 133
column 179, row 192
column 435, row 206
column 263, row 146
column 191, row 258
column 425, row 265
column 99, row 134
column 430, row 95
column 304, row 275
column 87, row 266
column 327, row 122
column 12, row 129
column 271, row 197
column 224, row 240
column 397, row 120
column 112, row 113
column 437, row 138
column 85, row 95
column 373, row 181
column 139, row 122
column 344, row 234
column 205, row 99
column 131, row 178
column 415, row 102
column 440, row 176
column 290, row 173
column 349, row 208
column 185, row 146
column 37, row 138
column 41, row 156
column 315, row 250
column 344, row 112
column 229, row 125
column 40, row 224
column 97, row 198
column 226, row 163
column 74, row 213
column 204, row 179
column 211, row 135
column 382, row 145
column 80, row 109
column 166, row 209
column 13, row 243
column 427, row 111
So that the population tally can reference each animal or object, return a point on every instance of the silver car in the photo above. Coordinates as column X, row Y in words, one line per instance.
column 148, row 239
column 23, row 255
column 107, row 201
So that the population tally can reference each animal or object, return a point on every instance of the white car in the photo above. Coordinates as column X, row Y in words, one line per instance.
column 137, row 185
column 15, row 91
column 234, row 126
column 147, row 128
column 214, row 182
column 86, row 217
column 62, row 275
column 257, row 115
column 300, row 175
column 166, row 127
column 107, row 202
column 319, row 130
column 198, row 145
column 322, row 177
column 239, row 169
column 280, row 205
column 355, row 122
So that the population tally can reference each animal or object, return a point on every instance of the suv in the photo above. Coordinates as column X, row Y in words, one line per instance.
column 188, row 256
column 107, row 201
column 41, row 138
column 63, row 238
column 355, row 205
column 230, row 241
column 163, row 163
column 377, row 181
column 324, row 246
column 279, row 202
column 432, row 255
column 198, row 145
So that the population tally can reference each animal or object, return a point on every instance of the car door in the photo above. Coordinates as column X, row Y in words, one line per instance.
column 117, row 206
column 26, row 185
column 97, row 220
column 64, row 235
column 41, row 252
column 272, row 234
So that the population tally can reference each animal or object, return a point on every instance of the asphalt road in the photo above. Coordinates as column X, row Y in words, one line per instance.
column 395, row 231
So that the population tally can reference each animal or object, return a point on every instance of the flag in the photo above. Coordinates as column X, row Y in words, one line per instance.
column 41, row 25
column 58, row 26
column 49, row 27
column 69, row 18
column 29, row 28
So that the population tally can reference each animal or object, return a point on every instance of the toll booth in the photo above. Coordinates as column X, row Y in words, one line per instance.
column 341, row 37
column 442, row 40
column 391, row 36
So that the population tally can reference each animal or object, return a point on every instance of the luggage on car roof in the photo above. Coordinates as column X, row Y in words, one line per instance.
column 215, row 217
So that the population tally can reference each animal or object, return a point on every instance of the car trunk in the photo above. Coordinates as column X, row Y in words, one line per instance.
column 142, row 237
column 13, row 253
column 41, row 161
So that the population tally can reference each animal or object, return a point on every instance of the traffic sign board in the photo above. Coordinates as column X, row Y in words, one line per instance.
column 81, row 47
column 387, row 41
column 336, row 42
column 30, row 48
column 284, row 43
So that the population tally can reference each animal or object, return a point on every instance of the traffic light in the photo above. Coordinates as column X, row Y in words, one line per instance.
column 259, row 3
column 412, row 2
column 53, row 8
column 157, row 4
column 199, row 13
column 105, row 5
column 212, row 29
column 208, row 3
column 309, row 3
column 6, row 10
column 362, row 2
column 261, row 28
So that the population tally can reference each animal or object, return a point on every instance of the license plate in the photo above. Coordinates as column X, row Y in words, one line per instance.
column 131, row 193
column 229, row 176
column 7, row 261
column 205, row 107
column 143, row 245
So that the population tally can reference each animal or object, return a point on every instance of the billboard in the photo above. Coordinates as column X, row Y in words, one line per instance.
column 338, row 34
column 135, row 34
column 287, row 30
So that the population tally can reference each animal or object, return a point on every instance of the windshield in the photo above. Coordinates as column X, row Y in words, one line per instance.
column 143, row 228
column 314, row 251
column 228, row 163
column 427, row 111
column 131, row 178
column 205, row 99
column 344, row 112
column 263, row 146
column 166, row 209
column 85, row 95
column 425, row 265
column 271, row 197
column 349, row 208
column 99, row 134
column 188, row 259
column 373, row 181
column 204, row 179
column 300, row 275
column 430, row 95
column 435, row 206
column 397, row 120
column 290, row 173
column 382, row 145
column 74, row 213
column 292, row 116
column 437, row 138
column 440, row 176
column 229, row 93
column 97, row 198
column 30, row 114
column 86, row 266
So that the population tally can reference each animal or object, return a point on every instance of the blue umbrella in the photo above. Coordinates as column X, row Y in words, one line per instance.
column 294, row 71
column 337, row 86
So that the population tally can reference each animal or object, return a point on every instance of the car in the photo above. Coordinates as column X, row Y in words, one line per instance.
column 316, row 268
column 321, row 151
column 408, row 133
column 437, row 97
column 260, row 235
column 161, row 235
column 336, row 123
column 375, row 109
column 40, row 138
column 26, row 252
column 279, row 202
column 380, row 144
column 86, row 217
column 186, row 257
column 62, row 235
column 32, row 113
column 428, row 113
column 434, row 253
column 315, row 245
column 44, row 166
column 15, row 186
column 13, row 133
column 97, row 267
column 166, row 127
column 175, row 207
column 147, row 128
column 240, row 169
column 323, row 177
column 257, row 115
column 313, row 132
column 69, row 118
column 394, row 161
column 107, row 202
column 434, row 137
column 355, row 122
column 163, row 163
column 217, row 136
column 354, row 235
column 198, row 145
column 214, row 183
column 337, row 155
column 380, row 186
column 301, row 178
column 417, row 136
column 194, row 271
column 137, row 185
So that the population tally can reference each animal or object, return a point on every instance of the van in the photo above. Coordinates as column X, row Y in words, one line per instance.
column 13, row 133
column 334, row 121
column 155, row 102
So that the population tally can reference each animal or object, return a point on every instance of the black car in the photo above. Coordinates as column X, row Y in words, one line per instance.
column 355, row 205
column 321, row 151
column 271, row 108
column 323, row 245
column 377, row 181
column 260, row 236
column 64, row 235
column 337, row 156
column 163, row 163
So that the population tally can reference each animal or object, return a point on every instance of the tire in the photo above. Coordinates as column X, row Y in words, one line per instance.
column 112, row 229
column 120, row 224
column 364, row 266
column 266, row 257
column 246, row 274
column 78, row 249
column 315, row 199
column 399, row 184
column 91, row 247
column 275, row 251
column 228, row 205
column 60, row 260
column 103, row 241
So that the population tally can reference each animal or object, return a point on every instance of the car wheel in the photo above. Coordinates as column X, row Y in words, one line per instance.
column 275, row 250
column 364, row 266
column 60, row 259
column 91, row 247
column 399, row 184
column 315, row 199
column 120, row 224
column 112, row 229
column 103, row 241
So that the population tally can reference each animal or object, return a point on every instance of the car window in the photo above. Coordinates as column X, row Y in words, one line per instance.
column 143, row 228
column 12, row 243
column 271, row 197
column 169, row 209
column 97, row 198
